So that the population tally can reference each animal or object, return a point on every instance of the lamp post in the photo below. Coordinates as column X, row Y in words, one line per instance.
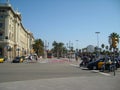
column 70, row 46
column 97, row 39
column 98, row 42
column 46, row 45
column 77, row 44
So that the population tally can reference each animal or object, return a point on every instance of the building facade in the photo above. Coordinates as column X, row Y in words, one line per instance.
column 15, row 40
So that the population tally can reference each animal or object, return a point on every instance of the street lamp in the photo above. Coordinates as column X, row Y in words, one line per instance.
column 98, row 43
column 70, row 46
column 46, row 45
column 77, row 44
column 97, row 39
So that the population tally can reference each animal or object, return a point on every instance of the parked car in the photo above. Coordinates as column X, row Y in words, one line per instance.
column 103, row 62
column 95, row 64
column 111, row 65
column 18, row 60
column 23, row 57
column 2, row 59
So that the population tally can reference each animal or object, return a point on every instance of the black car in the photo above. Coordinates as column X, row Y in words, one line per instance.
column 94, row 64
column 17, row 60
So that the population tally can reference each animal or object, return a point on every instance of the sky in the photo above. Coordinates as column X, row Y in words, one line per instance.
column 74, row 21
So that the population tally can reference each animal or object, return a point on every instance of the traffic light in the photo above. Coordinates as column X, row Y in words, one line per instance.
column 114, row 42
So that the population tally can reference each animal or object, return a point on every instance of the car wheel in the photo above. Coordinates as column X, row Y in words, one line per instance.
column 90, row 68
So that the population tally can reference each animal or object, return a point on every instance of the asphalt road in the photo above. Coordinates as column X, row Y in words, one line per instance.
column 25, row 71
column 54, row 76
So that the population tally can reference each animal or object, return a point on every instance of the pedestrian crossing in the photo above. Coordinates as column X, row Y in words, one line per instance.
column 53, row 61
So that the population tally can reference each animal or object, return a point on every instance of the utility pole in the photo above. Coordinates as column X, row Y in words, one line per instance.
column 46, row 45
column 115, row 41
column 70, row 47
column 97, row 39
column 98, row 42
column 77, row 44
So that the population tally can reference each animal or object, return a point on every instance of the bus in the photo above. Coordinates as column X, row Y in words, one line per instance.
column 49, row 55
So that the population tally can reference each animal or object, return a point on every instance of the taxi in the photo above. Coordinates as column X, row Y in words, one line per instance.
column 18, row 60
column 100, row 64
column 1, row 60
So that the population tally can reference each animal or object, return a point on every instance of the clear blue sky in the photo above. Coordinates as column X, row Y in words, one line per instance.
column 70, row 20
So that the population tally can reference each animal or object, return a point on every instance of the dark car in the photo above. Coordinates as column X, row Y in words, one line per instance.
column 94, row 64
column 17, row 60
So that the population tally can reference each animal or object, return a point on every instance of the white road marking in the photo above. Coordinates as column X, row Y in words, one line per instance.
column 106, row 74
column 75, row 65
column 96, row 71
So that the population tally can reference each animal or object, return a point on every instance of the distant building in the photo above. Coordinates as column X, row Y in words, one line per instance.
column 15, row 40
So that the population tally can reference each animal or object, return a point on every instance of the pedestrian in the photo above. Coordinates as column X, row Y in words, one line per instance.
column 76, row 56
column 6, row 58
column 36, row 57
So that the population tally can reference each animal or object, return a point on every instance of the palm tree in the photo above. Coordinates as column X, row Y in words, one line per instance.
column 96, row 49
column 58, row 48
column 38, row 47
column 55, row 48
column 106, row 47
column 102, row 46
column 110, row 48
column 114, row 35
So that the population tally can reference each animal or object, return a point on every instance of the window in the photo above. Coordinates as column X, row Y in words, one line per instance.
column 1, row 25
column 6, row 37
column 1, row 35
column 1, row 17
column 2, row 10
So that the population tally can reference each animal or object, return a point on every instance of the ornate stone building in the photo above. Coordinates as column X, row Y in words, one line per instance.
column 15, row 40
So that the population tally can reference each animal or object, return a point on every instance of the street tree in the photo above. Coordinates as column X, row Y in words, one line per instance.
column 102, row 46
column 114, row 39
column 106, row 47
column 38, row 47
column 58, row 48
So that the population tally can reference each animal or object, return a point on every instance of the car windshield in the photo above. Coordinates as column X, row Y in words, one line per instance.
column 17, row 58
